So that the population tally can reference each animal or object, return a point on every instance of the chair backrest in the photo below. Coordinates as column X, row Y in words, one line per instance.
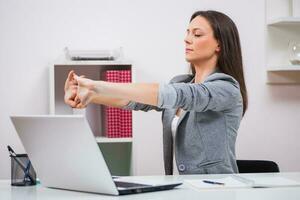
column 257, row 166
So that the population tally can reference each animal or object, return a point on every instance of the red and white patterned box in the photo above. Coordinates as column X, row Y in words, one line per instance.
column 126, row 115
column 118, row 121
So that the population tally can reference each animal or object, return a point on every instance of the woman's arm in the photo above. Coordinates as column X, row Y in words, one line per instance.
column 218, row 92
column 120, row 94
column 113, row 102
column 145, row 93
column 71, row 98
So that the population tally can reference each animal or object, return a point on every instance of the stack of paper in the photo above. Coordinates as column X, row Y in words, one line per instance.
column 237, row 181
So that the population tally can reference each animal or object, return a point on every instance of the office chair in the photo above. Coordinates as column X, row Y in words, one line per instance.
column 256, row 166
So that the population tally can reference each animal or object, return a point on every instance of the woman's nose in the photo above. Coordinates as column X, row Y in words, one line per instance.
column 187, row 39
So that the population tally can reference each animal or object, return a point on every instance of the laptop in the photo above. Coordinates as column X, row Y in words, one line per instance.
column 65, row 155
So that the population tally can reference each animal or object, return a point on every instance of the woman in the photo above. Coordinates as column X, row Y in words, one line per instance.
column 201, row 112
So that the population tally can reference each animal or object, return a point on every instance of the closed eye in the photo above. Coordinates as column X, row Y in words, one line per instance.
column 197, row 35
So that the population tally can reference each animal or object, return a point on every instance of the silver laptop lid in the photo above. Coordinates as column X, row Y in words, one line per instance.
column 64, row 152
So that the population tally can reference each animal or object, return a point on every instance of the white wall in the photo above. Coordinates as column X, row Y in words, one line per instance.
column 34, row 33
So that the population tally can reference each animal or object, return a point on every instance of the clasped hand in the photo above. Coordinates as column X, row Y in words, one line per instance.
column 79, row 91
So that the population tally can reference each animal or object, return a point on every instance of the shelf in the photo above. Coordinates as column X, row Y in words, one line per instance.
column 286, row 74
column 117, row 152
column 113, row 140
column 289, row 21
column 282, row 26
column 286, row 68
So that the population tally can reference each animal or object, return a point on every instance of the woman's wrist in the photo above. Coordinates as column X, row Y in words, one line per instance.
column 96, row 90
column 97, row 87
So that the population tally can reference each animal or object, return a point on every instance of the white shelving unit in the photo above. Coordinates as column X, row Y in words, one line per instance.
column 281, row 27
column 282, row 21
column 113, row 140
column 287, row 68
column 116, row 151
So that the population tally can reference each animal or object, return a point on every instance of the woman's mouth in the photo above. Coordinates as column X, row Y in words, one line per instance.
column 187, row 50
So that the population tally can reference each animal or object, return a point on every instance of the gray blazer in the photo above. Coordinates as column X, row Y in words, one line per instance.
column 207, row 128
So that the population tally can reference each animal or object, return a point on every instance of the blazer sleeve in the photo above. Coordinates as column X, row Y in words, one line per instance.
column 219, row 92
column 139, row 106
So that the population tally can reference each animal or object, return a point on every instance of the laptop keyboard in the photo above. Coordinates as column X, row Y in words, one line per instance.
column 120, row 184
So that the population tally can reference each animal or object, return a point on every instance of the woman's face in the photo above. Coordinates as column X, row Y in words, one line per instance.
column 200, row 44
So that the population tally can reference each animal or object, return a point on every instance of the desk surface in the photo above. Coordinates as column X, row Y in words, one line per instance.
column 184, row 192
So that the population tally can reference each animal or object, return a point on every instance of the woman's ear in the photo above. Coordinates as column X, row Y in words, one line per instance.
column 218, row 48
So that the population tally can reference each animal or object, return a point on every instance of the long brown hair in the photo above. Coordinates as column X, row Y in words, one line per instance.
column 230, row 56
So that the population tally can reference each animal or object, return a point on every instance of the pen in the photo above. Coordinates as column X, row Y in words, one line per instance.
column 11, row 151
column 213, row 182
column 26, row 176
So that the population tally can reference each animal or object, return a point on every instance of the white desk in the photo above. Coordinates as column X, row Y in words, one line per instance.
column 183, row 192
